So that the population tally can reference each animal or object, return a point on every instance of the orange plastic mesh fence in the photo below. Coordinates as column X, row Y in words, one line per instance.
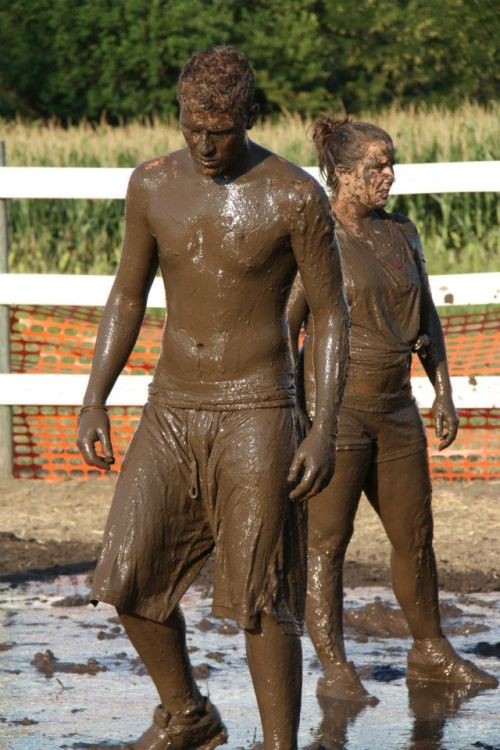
column 61, row 340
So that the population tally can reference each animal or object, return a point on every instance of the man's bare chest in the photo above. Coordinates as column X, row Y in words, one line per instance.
column 223, row 228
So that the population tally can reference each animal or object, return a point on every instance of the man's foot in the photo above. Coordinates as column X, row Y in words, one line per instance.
column 435, row 660
column 341, row 682
column 198, row 728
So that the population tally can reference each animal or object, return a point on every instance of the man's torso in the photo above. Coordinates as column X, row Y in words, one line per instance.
column 225, row 254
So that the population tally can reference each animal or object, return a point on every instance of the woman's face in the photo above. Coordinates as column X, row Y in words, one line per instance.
column 372, row 177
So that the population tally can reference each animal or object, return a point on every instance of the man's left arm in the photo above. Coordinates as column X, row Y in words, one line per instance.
column 318, row 260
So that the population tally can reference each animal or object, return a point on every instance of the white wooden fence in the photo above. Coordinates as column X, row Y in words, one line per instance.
column 99, row 183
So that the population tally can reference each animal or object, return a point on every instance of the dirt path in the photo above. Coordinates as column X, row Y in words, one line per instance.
column 48, row 528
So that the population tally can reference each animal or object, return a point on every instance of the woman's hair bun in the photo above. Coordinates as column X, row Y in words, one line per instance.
column 342, row 143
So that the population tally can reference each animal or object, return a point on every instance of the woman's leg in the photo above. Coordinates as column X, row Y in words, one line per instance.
column 331, row 523
column 400, row 492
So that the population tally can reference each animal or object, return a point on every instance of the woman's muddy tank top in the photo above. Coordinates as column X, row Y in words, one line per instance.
column 383, row 289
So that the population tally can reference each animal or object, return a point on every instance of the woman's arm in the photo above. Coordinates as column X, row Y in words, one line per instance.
column 433, row 357
column 297, row 315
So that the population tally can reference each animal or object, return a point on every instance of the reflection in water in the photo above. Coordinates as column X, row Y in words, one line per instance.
column 431, row 705
column 338, row 716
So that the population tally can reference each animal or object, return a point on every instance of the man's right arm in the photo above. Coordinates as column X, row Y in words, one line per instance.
column 121, row 322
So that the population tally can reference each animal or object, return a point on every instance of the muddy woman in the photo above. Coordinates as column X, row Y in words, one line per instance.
column 214, row 461
column 381, row 444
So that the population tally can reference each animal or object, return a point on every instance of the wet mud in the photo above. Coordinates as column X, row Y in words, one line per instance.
column 47, row 663
column 77, row 600
column 30, row 559
column 380, row 620
column 483, row 648
column 74, row 710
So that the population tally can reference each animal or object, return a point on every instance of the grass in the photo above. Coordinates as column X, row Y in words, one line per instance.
column 460, row 231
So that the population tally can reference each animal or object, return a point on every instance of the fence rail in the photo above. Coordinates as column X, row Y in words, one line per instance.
column 131, row 390
column 103, row 182
column 93, row 290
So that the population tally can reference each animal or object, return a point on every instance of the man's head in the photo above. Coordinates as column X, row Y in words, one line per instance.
column 215, row 91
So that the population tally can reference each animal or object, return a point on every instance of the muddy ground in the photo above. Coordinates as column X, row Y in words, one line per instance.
column 52, row 528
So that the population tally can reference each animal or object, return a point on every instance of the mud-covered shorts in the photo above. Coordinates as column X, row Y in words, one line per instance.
column 392, row 434
column 195, row 479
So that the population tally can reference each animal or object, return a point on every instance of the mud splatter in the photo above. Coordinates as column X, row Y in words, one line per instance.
column 102, row 635
column 377, row 619
column 47, row 663
column 387, row 673
column 204, row 625
column 483, row 648
column 227, row 629
column 202, row 671
column 74, row 600
column 215, row 655
column 98, row 746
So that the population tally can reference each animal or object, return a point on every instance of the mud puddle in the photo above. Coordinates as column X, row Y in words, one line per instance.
column 70, row 679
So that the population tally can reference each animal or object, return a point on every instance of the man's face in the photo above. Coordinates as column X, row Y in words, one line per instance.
column 216, row 140
column 373, row 176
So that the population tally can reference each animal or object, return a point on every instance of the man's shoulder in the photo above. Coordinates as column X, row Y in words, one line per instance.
column 279, row 166
column 153, row 172
column 292, row 179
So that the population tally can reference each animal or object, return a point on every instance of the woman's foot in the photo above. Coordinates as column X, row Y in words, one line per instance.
column 435, row 660
column 341, row 682
column 200, row 727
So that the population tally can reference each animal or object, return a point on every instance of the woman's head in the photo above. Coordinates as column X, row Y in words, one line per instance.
column 356, row 155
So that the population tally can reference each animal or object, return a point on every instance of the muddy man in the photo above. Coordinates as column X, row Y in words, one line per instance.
column 214, row 461
column 381, row 443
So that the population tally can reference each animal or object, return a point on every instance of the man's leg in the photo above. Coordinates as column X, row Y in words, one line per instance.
column 162, row 648
column 185, row 719
column 275, row 662
column 152, row 513
column 260, row 563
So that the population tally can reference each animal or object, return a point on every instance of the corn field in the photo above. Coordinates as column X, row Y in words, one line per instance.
column 460, row 231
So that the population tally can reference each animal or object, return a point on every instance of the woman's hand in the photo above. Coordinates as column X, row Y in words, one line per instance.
column 93, row 427
column 445, row 419
column 303, row 421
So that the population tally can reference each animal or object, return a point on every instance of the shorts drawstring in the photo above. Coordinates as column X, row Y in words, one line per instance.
column 193, row 474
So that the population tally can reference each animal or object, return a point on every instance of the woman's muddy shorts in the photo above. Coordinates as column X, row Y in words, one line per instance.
column 192, row 480
column 391, row 435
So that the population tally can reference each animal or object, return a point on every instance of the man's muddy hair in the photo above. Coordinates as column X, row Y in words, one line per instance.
column 218, row 79
column 343, row 143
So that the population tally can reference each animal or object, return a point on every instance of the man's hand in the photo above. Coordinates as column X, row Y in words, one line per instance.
column 313, row 465
column 445, row 420
column 93, row 427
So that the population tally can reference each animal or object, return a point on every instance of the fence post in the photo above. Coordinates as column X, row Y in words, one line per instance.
column 6, row 452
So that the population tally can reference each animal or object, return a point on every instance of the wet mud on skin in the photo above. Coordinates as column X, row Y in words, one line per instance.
column 63, row 685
